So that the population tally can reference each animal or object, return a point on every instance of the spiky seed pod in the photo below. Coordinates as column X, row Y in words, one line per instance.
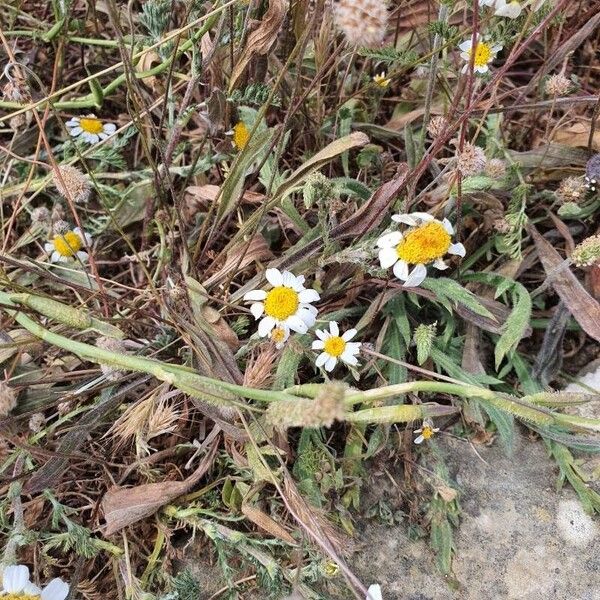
column 471, row 160
column 437, row 125
column 326, row 408
column 363, row 22
column 8, row 399
column 76, row 185
column 40, row 216
column 587, row 253
column 557, row 85
column 571, row 189
column 496, row 168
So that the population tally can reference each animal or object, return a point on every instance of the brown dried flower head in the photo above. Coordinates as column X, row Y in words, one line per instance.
column 37, row 422
column 76, row 185
column 40, row 216
column 8, row 399
column 571, row 189
column 558, row 85
column 60, row 227
column 496, row 168
column 437, row 126
column 363, row 22
column 587, row 253
column 471, row 160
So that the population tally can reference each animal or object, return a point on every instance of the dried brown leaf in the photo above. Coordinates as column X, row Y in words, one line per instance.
column 582, row 305
column 266, row 523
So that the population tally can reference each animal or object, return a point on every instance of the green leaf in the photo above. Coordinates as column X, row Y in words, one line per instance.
column 424, row 337
column 516, row 324
column 448, row 290
column 505, row 425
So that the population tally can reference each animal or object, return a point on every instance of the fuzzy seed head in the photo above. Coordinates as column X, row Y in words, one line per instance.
column 471, row 160
column 571, row 189
column 37, row 422
column 60, row 227
column 496, row 168
column 363, row 22
column 40, row 216
column 558, row 85
column 8, row 399
column 437, row 126
column 76, row 185
column 587, row 253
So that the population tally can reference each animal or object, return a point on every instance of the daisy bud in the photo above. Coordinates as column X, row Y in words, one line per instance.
column 60, row 227
column 437, row 126
column 326, row 408
column 37, row 422
column 72, row 183
column 557, row 85
column 471, row 160
column 496, row 168
column 112, row 345
column 40, row 216
column 587, row 253
column 8, row 399
column 571, row 189
column 363, row 22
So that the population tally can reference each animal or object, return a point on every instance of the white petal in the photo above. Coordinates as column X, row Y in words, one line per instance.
column 353, row 347
column 288, row 279
column 423, row 217
column 102, row 135
column 32, row 589
column 439, row 264
column 482, row 69
column 333, row 328
column 57, row 589
column 88, row 238
column 318, row 345
column 322, row 335
column 74, row 122
column 349, row 358
column 419, row 440
column 76, row 131
column 374, row 592
column 64, row 259
column 390, row 240
column 457, row 249
column 274, row 277
column 255, row 295
column 466, row 45
column 309, row 295
column 15, row 578
column 405, row 218
column 330, row 364
column 257, row 309
column 387, row 257
column 265, row 325
column 306, row 316
column 295, row 323
column 448, row 226
column 48, row 246
column 82, row 256
column 55, row 257
column 109, row 128
column 349, row 335
column 496, row 49
column 416, row 276
column 299, row 283
column 321, row 359
column 310, row 308
column 77, row 230
column 401, row 270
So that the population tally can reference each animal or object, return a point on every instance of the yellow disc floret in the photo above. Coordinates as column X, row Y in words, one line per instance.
column 91, row 125
column 334, row 346
column 67, row 244
column 20, row 597
column 241, row 135
column 427, row 432
column 278, row 335
column 281, row 302
column 483, row 54
column 424, row 244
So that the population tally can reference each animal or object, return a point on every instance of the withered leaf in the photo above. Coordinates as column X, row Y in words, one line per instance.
column 266, row 523
column 584, row 308
column 125, row 506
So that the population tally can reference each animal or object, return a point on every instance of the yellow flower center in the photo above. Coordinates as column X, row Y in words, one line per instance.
column 427, row 432
column 241, row 135
column 67, row 244
column 334, row 346
column 21, row 597
column 91, row 125
column 483, row 54
column 277, row 335
column 281, row 302
column 381, row 80
column 424, row 244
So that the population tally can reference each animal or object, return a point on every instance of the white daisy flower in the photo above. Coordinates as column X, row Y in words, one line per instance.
column 425, row 242
column 287, row 306
column 335, row 347
column 511, row 9
column 16, row 585
column 374, row 592
column 90, row 128
column 280, row 335
column 426, row 431
column 485, row 53
column 65, row 246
